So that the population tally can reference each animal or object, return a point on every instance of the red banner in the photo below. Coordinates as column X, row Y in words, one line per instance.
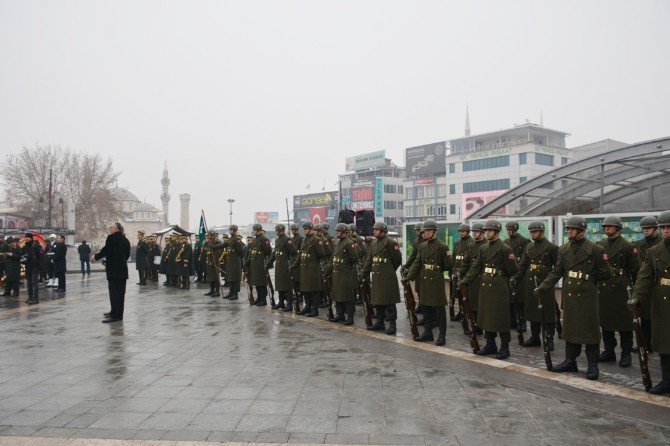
column 317, row 215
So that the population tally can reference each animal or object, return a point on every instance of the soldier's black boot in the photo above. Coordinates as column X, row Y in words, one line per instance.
column 234, row 290
column 569, row 365
column 490, row 348
column 426, row 336
column 305, row 308
column 607, row 356
column 314, row 310
column 349, row 308
column 503, row 353
column 625, row 360
column 289, row 303
column 626, row 347
column 262, row 300
column 379, row 325
column 534, row 340
column 442, row 325
column 339, row 313
column 185, row 283
column 392, row 313
column 211, row 289
column 661, row 388
column 592, row 371
column 217, row 289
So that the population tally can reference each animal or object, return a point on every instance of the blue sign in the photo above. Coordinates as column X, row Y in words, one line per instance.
column 379, row 197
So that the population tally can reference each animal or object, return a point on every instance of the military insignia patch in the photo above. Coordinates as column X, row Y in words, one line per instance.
column 353, row 245
column 290, row 242
column 511, row 256
column 605, row 257
column 635, row 250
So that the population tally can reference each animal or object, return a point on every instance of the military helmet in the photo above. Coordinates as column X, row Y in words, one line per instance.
column 576, row 222
column 664, row 218
column 417, row 227
column 232, row 228
column 257, row 227
column 478, row 226
column 353, row 228
column 318, row 227
column 280, row 227
column 294, row 226
column 141, row 231
column 307, row 225
column 536, row 225
column 381, row 226
column 10, row 239
column 513, row 225
column 341, row 227
column 648, row 222
column 430, row 225
column 493, row 224
column 325, row 226
column 612, row 220
column 464, row 227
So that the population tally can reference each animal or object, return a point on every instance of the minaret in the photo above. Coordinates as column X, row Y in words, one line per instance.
column 467, row 121
column 184, row 200
column 541, row 119
column 165, row 196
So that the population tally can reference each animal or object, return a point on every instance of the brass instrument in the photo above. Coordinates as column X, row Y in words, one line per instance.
column 181, row 251
column 224, row 254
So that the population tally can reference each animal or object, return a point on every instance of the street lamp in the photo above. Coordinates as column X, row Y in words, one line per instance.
column 62, row 212
column 230, row 202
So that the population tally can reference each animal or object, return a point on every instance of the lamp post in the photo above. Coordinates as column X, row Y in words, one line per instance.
column 50, row 198
column 230, row 202
column 62, row 212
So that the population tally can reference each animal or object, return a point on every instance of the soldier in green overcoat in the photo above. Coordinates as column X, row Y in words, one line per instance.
column 651, row 237
column 382, row 262
column 163, row 268
column 185, row 262
column 653, row 284
column 473, row 290
column 429, row 265
column 342, row 267
column 518, row 243
column 362, row 255
column 614, row 315
column 495, row 264
column 463, row 253
column 581, row 264
column 233, row 254
column 309, row 259
column 211, row 252
column 536, row 263
column 280, row 260
column 295, row 266
column 173, row 277
column 418, row 239
column 259, row 251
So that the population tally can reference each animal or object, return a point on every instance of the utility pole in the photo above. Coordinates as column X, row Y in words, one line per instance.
column 230, row 202
column 50, row 205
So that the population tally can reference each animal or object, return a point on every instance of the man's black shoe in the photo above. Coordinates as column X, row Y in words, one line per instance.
column 440, row 341
column 592, row 372
column 625, row 360
column 503, row 353
column 569, row 365
column 607, row 356
column 426, row 336
column 661, row 388
column 489, row 349
column 111, row 319
column 533, row 341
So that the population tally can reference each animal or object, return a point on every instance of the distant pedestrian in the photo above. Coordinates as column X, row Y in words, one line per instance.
column 47, row 265
column 33, row 255
column 59, row 262
column 84, row 251
column 4, row 248
column 12, row 268
column 116, row 253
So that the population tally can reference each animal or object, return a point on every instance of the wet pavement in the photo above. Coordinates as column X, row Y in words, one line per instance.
column 183, row 366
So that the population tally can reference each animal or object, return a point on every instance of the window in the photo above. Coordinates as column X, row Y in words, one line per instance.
column 522, row 158
column 389, row 189
column 564, row 161
column 483, row 186
column 452, row 209
column 452, row 189
column 452, row 167
column 544, row 160
column 523, row 180
column 486, row 163
column 389, row 204
column 400, row 190
column 409, row 193
column 400, row 204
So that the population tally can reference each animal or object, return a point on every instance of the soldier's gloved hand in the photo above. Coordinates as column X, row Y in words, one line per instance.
column 632, row 303
column 537, row 291
column 404, row 280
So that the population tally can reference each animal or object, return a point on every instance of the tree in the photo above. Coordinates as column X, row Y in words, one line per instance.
column 82, row 177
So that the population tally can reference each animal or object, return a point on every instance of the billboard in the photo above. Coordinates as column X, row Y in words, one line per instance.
column 379, row 197
column 365, row 161
column 426, row 160
column 447, row 232
column 631, row 230
column 266, row 218
column 471, row 202
column 317, row 208
column 314, row 200
column 362, row 198
column 523, row 226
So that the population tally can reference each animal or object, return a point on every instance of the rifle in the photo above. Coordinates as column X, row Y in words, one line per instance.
column 517, row 311
column 327, row 284
column 547, row 353
column 272, row 288
column 296, row 293
column 642, row 353
column 364, row 284
column 559, row 326
column 472, row 326
column 247, row 278
column 216, row 266
column 457, row 293
column 452, row 302
column 410, row 304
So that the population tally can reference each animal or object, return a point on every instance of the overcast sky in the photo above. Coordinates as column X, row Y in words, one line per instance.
column 254, row 100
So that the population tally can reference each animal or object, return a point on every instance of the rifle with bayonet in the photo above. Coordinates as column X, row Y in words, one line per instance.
column 472, row 326
column 272, row 288
column 328, row 285
column 559, row 326
column 517, row 311
column 642, row 353
column 364, row 285
column 410, row 304
column 456, row 289
column 247, row 278
column 540, row 308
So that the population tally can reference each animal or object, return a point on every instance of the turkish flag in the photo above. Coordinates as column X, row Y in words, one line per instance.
column 317, row 215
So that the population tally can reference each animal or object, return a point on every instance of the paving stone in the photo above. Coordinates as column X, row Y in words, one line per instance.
column 272, row 437
column 189, row 435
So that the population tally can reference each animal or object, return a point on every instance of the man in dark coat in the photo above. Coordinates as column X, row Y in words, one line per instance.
column 4, row 248
column 280, row 260
column 256, row 264
column 651, row 238
column 234, row 253
column 309, row 260
column 84, row 251
column 142, row 258
column 33, row 255
column 116, row 253
column 518, row 243
column 154, row 253
column 464, row 251
column 418, row 239
column 295, row 266
column 581, row 264
column 59, row 262
column 12, row 267
column 341, row 268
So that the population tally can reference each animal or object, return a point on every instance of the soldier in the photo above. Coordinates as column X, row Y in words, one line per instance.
column 518, row 243
column 536, row 263
column 163, row 269
column 234, row 253
column 4, row 248
column 581, row 264
column 280, row 259
column 258, row 252
column 653, row 284
column 12, row 258
column 463, row 253
column 197, row 248
column 295, row 266
column 310, row 255
column 342, row 267
column 649, row 227
column 362, row 254
column 154, row 251
column 173, row 273
column 473, row 290
column 614, row 315
column 211, row 251
column 142, row 258
column 418, row 239
column 431, row 261
column 184, row 264
column 328, row 250
column 383, row 261
column 495, row 264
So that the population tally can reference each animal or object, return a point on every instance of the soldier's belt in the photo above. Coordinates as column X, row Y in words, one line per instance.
column 431, row 267
column 460, row 257
column 304, row 255
column 488, row 270
column 618, row 272
column 578, row 275
column 337, row 260
column 379, row 260
column 664, row 282
column 534, row 266
column 279, row 253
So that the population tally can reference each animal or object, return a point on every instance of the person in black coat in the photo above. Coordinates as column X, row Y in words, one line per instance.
column 33, row 255
column 59, row 261
column 84, row 251
column 12, row 268
column 116, row 253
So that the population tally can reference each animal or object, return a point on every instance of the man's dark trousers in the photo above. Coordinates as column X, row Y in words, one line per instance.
column 31, row 280
column 117, row 297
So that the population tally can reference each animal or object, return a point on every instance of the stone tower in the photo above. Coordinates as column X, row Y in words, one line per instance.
column 185, row 201
column 165, row 196
column 467, row 121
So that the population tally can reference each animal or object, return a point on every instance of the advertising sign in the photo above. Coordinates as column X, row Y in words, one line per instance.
column 365, row 161
column 447, row 232
column 379, row 198
column 317, row 215
column 362, row 198
column 266, row 218
column 523, row 226
column 631, row 230
column 426, row 160
column 314, row 200
column 471, row 202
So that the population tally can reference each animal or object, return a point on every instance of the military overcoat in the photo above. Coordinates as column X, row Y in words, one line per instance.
column 518, row 243
column 432, row 260
column 537, row 262
column 259, row 251
column 643, row 245
column 281, row 257
column 383, row 261
column 234, row 253
column 343, row 264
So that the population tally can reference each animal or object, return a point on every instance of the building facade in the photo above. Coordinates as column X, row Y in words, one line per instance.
column 425, row 187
